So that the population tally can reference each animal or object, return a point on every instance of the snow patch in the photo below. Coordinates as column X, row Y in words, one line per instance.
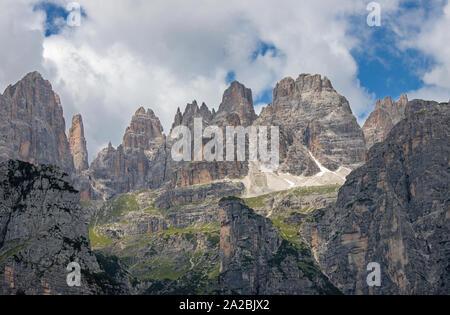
column 261, row 180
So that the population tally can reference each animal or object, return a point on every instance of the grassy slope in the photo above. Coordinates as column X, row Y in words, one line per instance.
column 170, row 274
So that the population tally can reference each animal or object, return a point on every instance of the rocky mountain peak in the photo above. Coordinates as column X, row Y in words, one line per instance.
column 32, row 123
column 191, row 108
column 144, row 128
column 205, row 112
column 305, row 83
column 385, row 103
column 31, row 79
column 284, row 88
column 313, row 117
column 140, row 111
column 237, row 99
column 178, row 119
column 77, row 143
column 404, row 99
column 192, row 111
column 313, row 83
column 386, row 115
column 394, row 211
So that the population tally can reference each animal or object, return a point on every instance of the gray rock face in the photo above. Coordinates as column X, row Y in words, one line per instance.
column 255, row 260
column 77, row 144
column 145, row 131
column 138, row 163
column 181, row 196
column 168, row 239
column 237, row 104
column 314, row 118
column 191, row 112
column 236, row 109
column 385, row 116
column 182, row 207
column 394, row 210
column 42, row 230
column 32, row 126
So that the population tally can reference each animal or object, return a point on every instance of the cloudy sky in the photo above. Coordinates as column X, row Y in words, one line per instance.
column 164, row 54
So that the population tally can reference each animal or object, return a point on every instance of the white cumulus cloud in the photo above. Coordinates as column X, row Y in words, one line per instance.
column 164, row 54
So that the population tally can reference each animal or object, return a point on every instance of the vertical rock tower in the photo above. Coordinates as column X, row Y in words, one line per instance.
column 77, row 143
column 32, row 124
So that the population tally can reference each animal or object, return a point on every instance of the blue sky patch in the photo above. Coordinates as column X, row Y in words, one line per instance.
column 231, row 77
column 265, row 97
column 383, row 68
column 56, row 16
column 263, row 49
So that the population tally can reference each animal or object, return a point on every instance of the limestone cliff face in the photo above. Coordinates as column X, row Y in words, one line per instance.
column 385, row 116
column 315, row 122
column 32, row 125
column 191, row 112
column 313, row 118
column 42, row 230
column 77, row 143
column 145, row 129
column 254, row 259
column 237, row 100
column 138, row 163
column 236, row 109
column 394, row 210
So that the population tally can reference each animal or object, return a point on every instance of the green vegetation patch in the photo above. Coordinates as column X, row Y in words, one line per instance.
column 213, row 239
column 256, row 202
column 8, row 254
column 289, row 232
column 160, row 269
column 196, row 228
column 421, row 112
column 98, row 240
column 286, row 249
column 214, row 273
column 115, row 208
column 320, row 190
column 309, row 269
column 200, row 276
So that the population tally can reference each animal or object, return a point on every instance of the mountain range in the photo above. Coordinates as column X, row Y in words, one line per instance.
column 141, row 223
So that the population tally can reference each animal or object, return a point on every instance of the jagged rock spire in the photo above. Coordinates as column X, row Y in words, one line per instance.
column 237, row 99
column 32, row 124
column 384, row 117
column 77, row 143
column 144, row 128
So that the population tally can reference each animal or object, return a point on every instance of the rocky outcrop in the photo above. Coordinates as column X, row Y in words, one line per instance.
column 394, row 211
column 315, row 123
column 32, row 126
column 175, row 197
column 145, row 129
column 317, row 130
column 169, row 239
column 255, row 260
column 42, row 230
column 197, row 173
column 236, row 109
column 384, row 117
column 146, row 212
column 138, row 163
column 237, row 102
column 77, row 144
column 191, row 112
